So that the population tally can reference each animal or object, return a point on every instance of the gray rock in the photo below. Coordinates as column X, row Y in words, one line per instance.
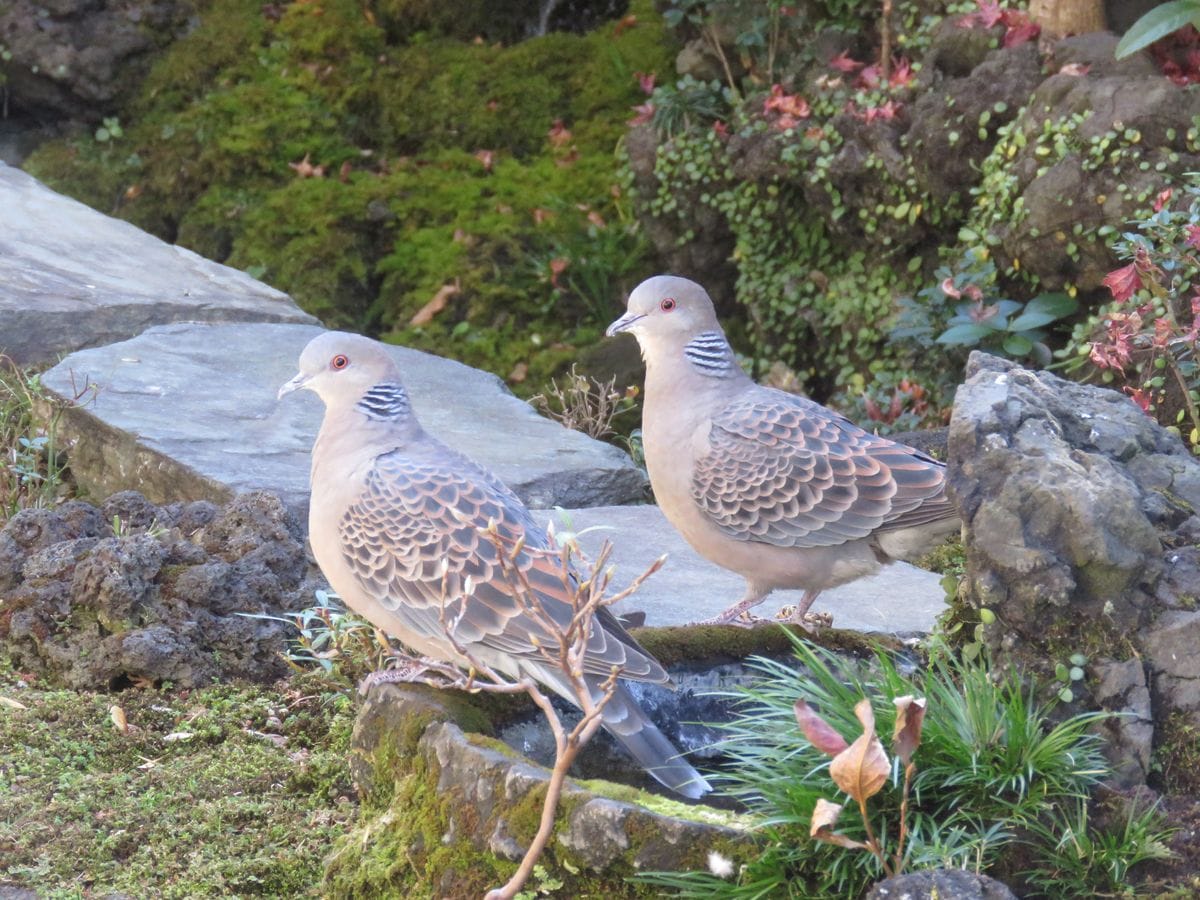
column 1080, row 534
column 81, row 60
column 899, row 599
column 162, row 600
column 1063, row 193
column 1129, row 738
column 940, row 884
column 189, row 411
column 73, row 277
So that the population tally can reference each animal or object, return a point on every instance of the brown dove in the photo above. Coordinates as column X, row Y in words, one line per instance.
column 397, row 524
column 774, row 487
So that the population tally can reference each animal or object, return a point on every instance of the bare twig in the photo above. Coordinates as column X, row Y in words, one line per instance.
column 564, row 649
column 885, row 43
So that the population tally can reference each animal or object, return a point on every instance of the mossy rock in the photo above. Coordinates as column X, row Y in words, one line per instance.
column 449, row 813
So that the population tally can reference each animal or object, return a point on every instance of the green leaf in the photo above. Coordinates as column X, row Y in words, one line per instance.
column 969, row 334
column 1042, row 310
column 1157, row 23
column 1061, row 673
column 1017, row 345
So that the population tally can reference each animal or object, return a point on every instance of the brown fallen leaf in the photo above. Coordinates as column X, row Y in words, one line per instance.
column 487, row 158
column 824, row 817
column 910, row 715
column 519, row 373
column 425, row 314
column 118, row 719
column 305, row 169
column 862, row 768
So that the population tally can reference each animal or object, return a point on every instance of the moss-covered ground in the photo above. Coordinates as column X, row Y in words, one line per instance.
column 231, row 790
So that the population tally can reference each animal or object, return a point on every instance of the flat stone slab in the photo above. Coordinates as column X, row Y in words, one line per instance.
column 71, row 277
column 189, row 411
column 899, row 599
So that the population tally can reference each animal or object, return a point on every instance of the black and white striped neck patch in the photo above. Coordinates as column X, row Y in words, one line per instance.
column 711, row 354
column 385, row 401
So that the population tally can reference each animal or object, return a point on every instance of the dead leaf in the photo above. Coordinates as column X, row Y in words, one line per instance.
column 12, row 704
column 625, row 24
column 344, row 172
column 862, row 768
column 305, row 169
column 559, row 134
column 824, row 817
column 487, row 158
column 177, row 736
column 426, row 313
column 596, row 219
column 118, row 719
column 910, row 715
column 818, row 732
column 519, row 373
column 541, row 215
column 558, row 265
column 133, row 192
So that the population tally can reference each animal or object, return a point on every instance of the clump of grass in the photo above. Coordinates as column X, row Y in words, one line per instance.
column 32, row 465
column 991, row 765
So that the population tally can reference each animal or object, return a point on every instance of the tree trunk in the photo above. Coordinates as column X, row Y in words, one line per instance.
column 1059, row 17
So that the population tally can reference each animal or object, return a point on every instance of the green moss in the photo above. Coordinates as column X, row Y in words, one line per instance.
column 223, row 812
column 714, row 644
column 1177, row 754
column 401, row 205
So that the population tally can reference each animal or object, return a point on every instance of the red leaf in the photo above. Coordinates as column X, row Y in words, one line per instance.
column 1163, row 198
column 645, row 82
column 843, row 63
column 1020, row 34
column 1193, row 236
column 817, row 731
column 645, row 112
column 902, row 73
column 1124, row 282
column 949, row 289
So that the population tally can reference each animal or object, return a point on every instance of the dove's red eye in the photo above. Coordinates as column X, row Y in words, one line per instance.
column 666, row 304
column 339, row 362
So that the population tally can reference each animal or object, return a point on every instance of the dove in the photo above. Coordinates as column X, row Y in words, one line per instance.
column 770, row 485
column 398, row 523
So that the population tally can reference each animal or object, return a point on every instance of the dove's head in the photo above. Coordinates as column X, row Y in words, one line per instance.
column 343, row 368
column 666, row 310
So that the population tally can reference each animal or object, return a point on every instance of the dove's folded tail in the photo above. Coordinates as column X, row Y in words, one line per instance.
column 629, row 724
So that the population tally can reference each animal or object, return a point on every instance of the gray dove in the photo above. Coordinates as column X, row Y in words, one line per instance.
column 396, row 514
column 774, row 487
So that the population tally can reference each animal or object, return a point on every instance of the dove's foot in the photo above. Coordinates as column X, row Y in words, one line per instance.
column 408, row 671
column 809, row 621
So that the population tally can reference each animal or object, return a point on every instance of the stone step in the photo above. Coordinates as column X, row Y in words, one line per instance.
column 71, row 277
column 189, row 411
column 899, row 599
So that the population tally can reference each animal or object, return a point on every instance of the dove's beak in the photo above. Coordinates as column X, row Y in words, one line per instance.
column 300, row 381
column 624, row 323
